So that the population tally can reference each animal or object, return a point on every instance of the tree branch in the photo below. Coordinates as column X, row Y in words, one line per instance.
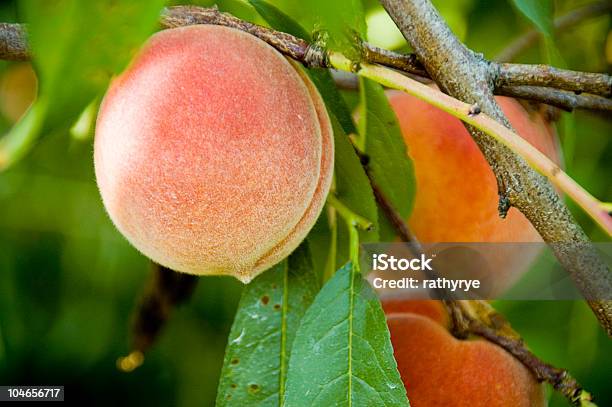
column 548, row 76
column 13, row 46
column 561, row 24
column 560, row 379
column 408, row 63
column 565, row 100
column 165, row 291
column 13, row 42
column 467, row 76
column 551, row 84
column 309, row 54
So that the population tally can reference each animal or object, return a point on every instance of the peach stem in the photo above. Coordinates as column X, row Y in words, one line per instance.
column 354, row 222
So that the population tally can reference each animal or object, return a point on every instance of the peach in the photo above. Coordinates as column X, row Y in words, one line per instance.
column 456, row 191
column 213, row 153
column 439, row 370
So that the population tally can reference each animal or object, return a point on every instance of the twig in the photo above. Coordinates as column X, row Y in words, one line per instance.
column 561, row 24
column 560, row 379
column 13, row 42
column 565, row 100
column 467, row 76
column 548, row 76
column 165, row 291
column 551, row 84
column 13, row 45
column 296, row 48
column 408, row 63
column 394, row 217
column 354, row 223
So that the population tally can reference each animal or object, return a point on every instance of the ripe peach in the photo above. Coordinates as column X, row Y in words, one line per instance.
column 213, row 154
column 456, row 191
column 439, row 370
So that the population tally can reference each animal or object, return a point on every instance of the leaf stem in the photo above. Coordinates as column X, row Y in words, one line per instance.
column 354, row 246
column 354, row 223
column 348, row 215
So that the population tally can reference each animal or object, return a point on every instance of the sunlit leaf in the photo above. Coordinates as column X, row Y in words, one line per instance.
column 342, row 352
column 259, row 344
column 279, row 20
column 389, row 165
column 539, row 12
column 336, row 23
column 354, row 190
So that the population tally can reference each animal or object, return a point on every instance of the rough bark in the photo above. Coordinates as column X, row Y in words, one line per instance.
column 13, row 42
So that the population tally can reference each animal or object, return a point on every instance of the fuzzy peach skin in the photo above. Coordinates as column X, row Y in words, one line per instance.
column 456, row 191
column 441, row 371
column 213, row 154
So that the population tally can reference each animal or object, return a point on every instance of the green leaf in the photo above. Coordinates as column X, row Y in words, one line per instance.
column 389, row 164
column 540, row 12
column 77, row 47
column 333, row 99
column 320, row 77
column 342, row 352
column 340, row 20
column 259, row 344
column 336, row 23
column 279, row 20
column 352, row 184
column 354, row 190
column 17, row 142
column 322, row 242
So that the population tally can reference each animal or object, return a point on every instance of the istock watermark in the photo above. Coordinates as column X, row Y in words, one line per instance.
column 384, row 262
column 489, row 271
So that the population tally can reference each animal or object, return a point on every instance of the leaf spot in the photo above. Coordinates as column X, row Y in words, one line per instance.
column 254, row 388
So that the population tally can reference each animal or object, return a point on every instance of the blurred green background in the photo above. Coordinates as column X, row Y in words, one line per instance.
column 69, row 282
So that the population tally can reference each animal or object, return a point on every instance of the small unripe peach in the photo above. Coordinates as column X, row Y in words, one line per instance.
column 213, row 153
column 456, row 191
column 439, row 370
